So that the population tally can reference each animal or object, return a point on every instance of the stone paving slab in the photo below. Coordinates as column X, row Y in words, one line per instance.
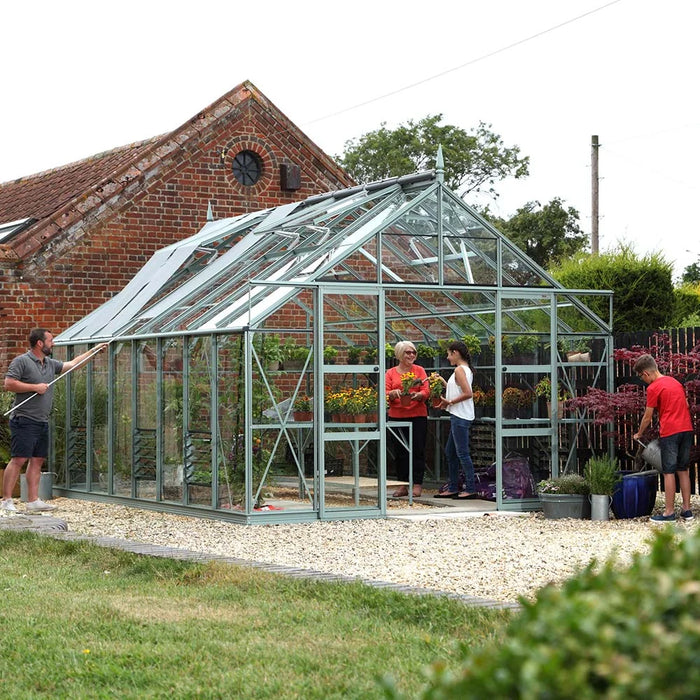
column 54, row 527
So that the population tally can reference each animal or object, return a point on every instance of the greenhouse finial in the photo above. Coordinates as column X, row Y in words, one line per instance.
column 210, row 213
column 440, row 165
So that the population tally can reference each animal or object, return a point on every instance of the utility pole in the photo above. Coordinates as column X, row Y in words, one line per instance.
column 594, row 194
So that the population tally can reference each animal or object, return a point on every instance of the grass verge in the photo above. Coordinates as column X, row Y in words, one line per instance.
column 82, row 621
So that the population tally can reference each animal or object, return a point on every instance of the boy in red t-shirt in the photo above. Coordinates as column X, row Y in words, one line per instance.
column 667, row 396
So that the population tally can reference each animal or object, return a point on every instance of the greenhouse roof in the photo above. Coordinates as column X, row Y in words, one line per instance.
column 410, row 231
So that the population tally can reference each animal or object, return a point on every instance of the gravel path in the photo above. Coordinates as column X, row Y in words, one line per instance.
column 496, row 556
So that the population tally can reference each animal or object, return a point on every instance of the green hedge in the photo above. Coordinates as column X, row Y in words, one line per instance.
column 632, row 633
column 644, row 297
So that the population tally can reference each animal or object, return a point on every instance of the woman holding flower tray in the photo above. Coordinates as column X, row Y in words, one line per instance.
column 406, row 393
column 459, row 402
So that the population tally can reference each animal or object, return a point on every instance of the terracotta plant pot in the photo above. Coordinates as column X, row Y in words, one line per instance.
column 303, row 415
column 406, row 400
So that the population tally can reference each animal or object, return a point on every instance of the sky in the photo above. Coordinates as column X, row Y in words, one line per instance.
column 82, row 77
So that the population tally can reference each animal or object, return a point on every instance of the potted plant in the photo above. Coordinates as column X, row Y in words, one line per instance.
column 543, row 390
column 303, row 408
column 271, row 351
column 479, row 396
column 473, row 345
column 294, row 355
column 425, row 355
column 329, row 354
column 525, row 348
column 602, row 476
column 363, row 404
column 514, row 400
column 354, row 355
column 409, row 383
column 334, row 403
column 565, row 497
column 370, row 353
column 506, row 347
column 581, row 351
column 436, row 384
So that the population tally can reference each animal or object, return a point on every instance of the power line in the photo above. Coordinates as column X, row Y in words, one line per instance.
column 463, row 65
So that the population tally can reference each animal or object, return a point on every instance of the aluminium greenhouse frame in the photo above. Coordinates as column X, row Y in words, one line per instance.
column 189, row 412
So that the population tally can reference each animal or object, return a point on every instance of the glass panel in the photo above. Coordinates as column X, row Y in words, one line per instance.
column 76, row 384
column 527, row 459
column 145, row 433
column 173, row 475
column 469, row 248
column 576, row 318
column 197, row 425
column 351, row 437
column 97, row 374
column 59, row 452
column 123, row 420
column 517, row 272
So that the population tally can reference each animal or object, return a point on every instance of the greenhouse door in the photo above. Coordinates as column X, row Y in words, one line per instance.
column 350, row 468
column 527, row 419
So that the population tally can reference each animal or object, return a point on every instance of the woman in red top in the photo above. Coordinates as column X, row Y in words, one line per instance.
column 415, row 411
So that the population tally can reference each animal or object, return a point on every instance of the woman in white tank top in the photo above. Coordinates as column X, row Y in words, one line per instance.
column 459, row 402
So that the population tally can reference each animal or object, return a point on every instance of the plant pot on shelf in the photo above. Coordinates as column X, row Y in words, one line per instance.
column 371, row 417
column 560, row 409
column 565, row 505
column 578, row 356
column 303, row 415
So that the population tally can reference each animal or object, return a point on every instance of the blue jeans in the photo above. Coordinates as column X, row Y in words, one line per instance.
column 457, row 453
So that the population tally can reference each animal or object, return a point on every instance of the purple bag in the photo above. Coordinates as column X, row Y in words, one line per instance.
column 517, row 479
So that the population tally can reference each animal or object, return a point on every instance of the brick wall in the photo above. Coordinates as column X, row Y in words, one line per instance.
column 92, row 259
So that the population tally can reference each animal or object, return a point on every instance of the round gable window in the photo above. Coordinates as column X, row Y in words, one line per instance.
column 247, row 167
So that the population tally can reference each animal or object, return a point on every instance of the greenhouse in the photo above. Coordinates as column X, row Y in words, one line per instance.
column 245, row 372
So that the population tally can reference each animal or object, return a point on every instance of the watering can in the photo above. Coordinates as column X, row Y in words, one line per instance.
column 651, row 454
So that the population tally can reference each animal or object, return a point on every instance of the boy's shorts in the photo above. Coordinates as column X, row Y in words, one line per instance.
column 675, row 452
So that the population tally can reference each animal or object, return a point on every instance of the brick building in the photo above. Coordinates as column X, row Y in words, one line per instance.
column 71, row 237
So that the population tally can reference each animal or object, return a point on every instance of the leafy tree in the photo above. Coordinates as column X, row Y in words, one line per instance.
column 474, row 160
column 691, row 274
column 687, row 306
column 644, row 298
column 548, row 234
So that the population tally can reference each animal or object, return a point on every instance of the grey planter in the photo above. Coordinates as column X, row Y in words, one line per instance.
column 565, row 505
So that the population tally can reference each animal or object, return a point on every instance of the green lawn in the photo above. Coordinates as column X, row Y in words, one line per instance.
column 81, row 621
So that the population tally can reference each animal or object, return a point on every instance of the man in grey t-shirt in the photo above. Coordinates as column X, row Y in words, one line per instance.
column 29, row 377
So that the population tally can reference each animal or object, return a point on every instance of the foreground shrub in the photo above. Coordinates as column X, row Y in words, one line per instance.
column 614, row 633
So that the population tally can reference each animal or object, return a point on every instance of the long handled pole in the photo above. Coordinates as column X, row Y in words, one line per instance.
column 60, row 376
